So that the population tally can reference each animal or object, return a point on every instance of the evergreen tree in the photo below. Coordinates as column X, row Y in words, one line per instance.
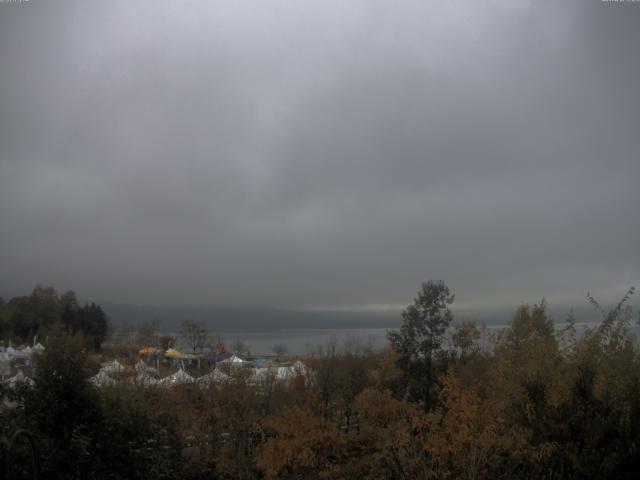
column 418, row 342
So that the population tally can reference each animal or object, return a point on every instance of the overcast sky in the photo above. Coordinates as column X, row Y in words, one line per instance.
column 320, row 154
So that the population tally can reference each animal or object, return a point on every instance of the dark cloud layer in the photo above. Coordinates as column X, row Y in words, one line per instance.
column 320, row 154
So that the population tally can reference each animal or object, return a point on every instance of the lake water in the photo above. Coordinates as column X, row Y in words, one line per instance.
column 303, row 341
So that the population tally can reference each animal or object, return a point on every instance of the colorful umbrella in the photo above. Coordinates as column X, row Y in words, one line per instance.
column 172, row 353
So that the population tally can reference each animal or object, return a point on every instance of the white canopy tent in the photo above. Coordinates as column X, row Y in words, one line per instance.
column 178, row 378
column 145, row 380
column 102, row 379
column 113, row 367
column 283, row 373
column 142, row 367
column 215, row 376
column 233, row 359
column 19, row 378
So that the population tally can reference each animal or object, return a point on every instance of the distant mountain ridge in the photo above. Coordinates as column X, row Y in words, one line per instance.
column 248, row 318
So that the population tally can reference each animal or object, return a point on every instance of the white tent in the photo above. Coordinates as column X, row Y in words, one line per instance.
column 142, row 367
column 284, row 373
column 264, row 375
column 215, row 376
column 38, row 348
column 13, row 353
column 102, row 379
column 113, row 367
column 20, row 378
column 145, row 379
column 178, row 378
column 299, row 368
column 232, row 359
column 19, row 354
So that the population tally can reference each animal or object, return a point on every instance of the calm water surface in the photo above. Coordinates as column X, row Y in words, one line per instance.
column 303, row 341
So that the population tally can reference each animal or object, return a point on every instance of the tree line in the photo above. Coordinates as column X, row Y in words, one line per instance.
column 26, row 317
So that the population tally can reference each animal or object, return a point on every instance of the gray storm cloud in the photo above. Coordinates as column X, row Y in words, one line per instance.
column 319, row 154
